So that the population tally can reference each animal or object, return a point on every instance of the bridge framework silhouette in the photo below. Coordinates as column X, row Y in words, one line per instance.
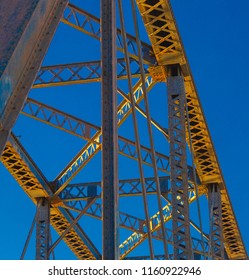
column 144, row 177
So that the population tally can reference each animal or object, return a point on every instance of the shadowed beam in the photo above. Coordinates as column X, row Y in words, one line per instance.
column 24, row 42
column 80, row 73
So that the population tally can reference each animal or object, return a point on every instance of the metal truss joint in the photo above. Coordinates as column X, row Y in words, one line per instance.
column 42, row 229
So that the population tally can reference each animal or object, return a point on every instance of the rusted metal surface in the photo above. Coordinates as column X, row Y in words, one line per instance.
column 27, row 28
column 14, row 17
column 109, row 133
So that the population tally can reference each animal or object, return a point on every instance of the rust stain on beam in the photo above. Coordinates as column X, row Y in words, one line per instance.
column 27, row 28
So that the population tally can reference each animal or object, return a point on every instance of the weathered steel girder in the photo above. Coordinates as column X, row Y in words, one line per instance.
column 34, row 184
column 178, row 167
column 32, row 30
column 168, row 49
column 79, row 73
column 127, row 187
column 135, row 239
column 90, row 25
column 88, row 131
column 217, row 250
column 91, row 148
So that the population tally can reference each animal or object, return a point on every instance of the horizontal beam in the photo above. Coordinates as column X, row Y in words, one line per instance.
column 81, row 72
column 90, row 25
column 128, row 187
column 91, row 133
column 79, row 127
column 91, row 149
column 126, row 148
column 74, row 193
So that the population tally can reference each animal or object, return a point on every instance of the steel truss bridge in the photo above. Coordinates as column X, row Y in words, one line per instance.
column 138, row 174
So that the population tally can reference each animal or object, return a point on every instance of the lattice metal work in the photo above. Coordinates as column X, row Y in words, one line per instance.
column 216, row 233
column 126, row 72
column 178, row 164
column 42, row 229
column 109, row 132
column 34, row 184
column 168, row 48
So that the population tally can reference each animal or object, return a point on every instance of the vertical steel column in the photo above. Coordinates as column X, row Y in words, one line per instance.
column 109, row 131
column 178, row 165
column 42, row 229
column 216, row 232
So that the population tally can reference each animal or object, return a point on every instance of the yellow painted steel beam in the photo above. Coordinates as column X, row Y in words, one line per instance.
column 34, row 188
column 162, row 30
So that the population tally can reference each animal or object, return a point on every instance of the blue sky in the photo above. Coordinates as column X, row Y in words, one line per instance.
column 216, row 41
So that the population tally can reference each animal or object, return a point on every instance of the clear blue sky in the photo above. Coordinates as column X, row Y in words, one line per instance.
column 215, row 36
